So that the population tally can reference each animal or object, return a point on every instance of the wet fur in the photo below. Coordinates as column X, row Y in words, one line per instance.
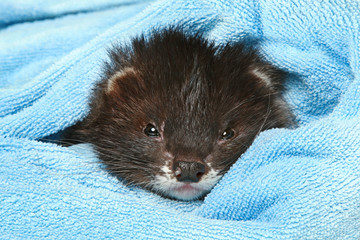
column 191, row 91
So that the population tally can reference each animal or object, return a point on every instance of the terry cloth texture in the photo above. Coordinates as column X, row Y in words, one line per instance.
column 301, row 183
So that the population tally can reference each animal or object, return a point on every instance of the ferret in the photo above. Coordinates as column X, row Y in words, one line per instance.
column 173, row 112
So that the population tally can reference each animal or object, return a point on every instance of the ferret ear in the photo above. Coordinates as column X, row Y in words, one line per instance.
column 113, row 83
column 268, row 76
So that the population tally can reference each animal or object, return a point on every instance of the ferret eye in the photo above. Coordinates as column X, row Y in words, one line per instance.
column 227, row 134
column 151, row 131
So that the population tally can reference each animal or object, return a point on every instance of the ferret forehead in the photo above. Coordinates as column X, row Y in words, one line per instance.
column 170, row 49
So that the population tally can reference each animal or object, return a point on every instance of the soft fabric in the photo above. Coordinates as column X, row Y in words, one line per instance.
column 301, row 183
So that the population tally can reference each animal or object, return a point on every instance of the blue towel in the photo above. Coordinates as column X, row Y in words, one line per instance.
column 301, row 183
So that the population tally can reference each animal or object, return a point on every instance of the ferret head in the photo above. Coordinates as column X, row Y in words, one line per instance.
column 174, row 112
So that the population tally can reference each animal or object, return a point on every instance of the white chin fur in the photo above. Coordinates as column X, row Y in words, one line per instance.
column 168, row 185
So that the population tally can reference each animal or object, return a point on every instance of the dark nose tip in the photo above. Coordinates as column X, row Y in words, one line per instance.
column 188, row 171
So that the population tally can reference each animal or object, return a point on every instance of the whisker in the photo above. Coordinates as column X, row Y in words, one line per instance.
column 253, row 98
column 65, row 141
column 268, row 111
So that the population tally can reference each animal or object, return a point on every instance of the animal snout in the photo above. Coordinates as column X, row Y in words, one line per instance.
column 188, row 171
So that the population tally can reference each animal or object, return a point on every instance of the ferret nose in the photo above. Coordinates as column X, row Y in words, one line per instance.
column 188, row 171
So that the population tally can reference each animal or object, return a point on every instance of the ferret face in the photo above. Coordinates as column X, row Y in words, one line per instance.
column 173, row 113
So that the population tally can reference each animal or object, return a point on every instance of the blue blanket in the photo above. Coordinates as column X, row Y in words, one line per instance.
column 302, row 183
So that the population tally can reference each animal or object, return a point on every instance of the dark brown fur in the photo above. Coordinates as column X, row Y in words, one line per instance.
column 191, row 91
